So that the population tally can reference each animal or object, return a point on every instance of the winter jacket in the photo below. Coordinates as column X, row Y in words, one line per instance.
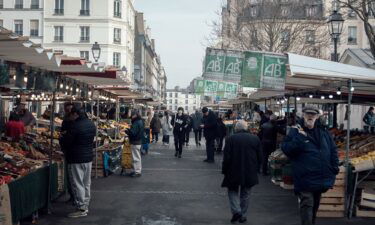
column 136, row 132
column 155, row 124
column 79, row 141
column 268, row 133
column 221, row 129
column 369, row 119
column 179, row 124
column 210, row 126
column 242, row 159
column 189, row 123
column 197, row 121
column 314, row 160
column 167, row 126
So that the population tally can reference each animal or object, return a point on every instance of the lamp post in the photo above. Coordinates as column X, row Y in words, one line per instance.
column 335, row 25
column 96, row 50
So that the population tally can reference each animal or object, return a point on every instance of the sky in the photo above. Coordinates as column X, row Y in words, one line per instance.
column 180, row 28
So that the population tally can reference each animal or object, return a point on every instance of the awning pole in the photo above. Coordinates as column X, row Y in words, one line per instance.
column 97, row 138
column 52, row 127
column 350, row 95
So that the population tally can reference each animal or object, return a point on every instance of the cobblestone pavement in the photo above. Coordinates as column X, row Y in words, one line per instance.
column 183, row 191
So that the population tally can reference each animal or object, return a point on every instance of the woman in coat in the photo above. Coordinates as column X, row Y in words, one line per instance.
column 155, row 126
column 167, row 128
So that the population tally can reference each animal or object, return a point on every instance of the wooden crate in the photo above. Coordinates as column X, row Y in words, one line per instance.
column 336, row 192
column 368, row 198
column 331, row 214
column 361, row 212
column 334, row 201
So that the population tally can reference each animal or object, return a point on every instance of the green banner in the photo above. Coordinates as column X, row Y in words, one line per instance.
column 274, row 72
column 231, row 90
column 233, row 66
column 221, row 89
column 210, row 88
column 252, row 70
column 199, row 87
column 214, row 64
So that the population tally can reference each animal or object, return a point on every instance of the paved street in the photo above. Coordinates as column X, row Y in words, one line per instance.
column 180, row 192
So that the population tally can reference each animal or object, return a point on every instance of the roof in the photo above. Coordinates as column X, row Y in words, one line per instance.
column 362, row 56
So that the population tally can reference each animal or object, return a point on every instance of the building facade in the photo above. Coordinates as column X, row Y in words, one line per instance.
column 182, row 98
column 71, row 27
column 149, row 74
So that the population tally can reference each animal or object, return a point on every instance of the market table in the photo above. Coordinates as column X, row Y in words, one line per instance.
column 30, row 193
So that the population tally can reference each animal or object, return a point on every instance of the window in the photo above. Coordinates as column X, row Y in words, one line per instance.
column 34, row 28
column 176, row 95
column 310, row 36
column 85, row 8
column 352, row 35
column 186, row 95
column 1, row 23
column 285, row 36
column 59, row 7
column 170, row 107
column 85, row 34
column 285, row 11
column 170, row 101
column 117, row 36
column 187, row 108
column 170, row 95
column 117, row 9
column 351, row 13
column 186, row 101
column 85, row 55
column 18, row 27
column 175, row 101
column 175, row 107
column 59, row 34
column 18, row 4
column 116, row 59
column 1, row 4
column 371, row 9
column 194, row 108
column 34, row 4
column 253, row 11
column 311, row 11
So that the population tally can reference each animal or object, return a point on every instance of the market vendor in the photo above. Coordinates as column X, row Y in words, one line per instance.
column 15, row 128
column 25, row 116
column 369, row 120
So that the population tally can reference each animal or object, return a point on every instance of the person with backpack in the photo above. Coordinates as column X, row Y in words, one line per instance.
column 210, row 133
column 167, row 128
column 179, row 123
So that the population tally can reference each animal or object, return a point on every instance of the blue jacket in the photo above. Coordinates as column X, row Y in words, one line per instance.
column 315, row 165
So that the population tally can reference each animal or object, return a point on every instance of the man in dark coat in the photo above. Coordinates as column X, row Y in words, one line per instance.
column 189, row 125
column 135, row 134
column 242, row 158
column 155, row 126
column 314, row 161
column 221, row 133
column 210, row 133
column 78, row 144
column 197, row 121
column 268, row 137
column 179, row 123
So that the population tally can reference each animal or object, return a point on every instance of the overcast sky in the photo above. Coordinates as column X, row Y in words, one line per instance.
column 179, row 28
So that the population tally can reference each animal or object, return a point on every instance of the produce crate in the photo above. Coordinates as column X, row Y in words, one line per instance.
column 365, row 212
column 368, row 198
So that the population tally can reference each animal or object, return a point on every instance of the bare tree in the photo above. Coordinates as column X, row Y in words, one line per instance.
column 274, row 26
column 365, row 10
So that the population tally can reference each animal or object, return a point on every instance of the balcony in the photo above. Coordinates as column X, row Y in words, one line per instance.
column 58, row 38
column 84, row 12
column 352, row 41
column 117, row 41
column 59, row 12
column 18, row 6
column 19, row 32
column 34, row 33
column 117, row 14
column 34, row 7
column 84, row 39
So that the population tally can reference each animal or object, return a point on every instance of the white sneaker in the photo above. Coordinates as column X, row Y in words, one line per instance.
column 78, row 213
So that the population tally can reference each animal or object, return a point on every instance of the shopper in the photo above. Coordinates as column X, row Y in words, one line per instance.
column 197, row 121
column 147, row 130
column 222, row 132
column 135, row 134
column 155, row 126
column 242, row 158
column 369, row 120
column 167, row 128
column 15, row 129
column 189, row 126
column 26, row 116
column 210, row 133
column 313, row 154
column 268, row 137
column 78, row 145
column 179, row 124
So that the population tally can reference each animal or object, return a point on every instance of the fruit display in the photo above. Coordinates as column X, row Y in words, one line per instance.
column 366, row 157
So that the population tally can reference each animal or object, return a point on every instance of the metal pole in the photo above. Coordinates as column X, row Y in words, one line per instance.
column 350, row 95
column 97, row 137
column 336, row 57
column 52, row 127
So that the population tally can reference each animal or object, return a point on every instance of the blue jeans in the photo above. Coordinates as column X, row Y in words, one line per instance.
column 239, row 200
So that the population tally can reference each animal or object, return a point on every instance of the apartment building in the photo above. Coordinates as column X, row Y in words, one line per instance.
column 182, row 98
column 71, row 27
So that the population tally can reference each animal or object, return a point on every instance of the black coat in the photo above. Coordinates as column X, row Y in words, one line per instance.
column 136, row 131
column 242, row 159
column 79, row 141
column 210, row 126
column 268, row 133
column 179, row 124
column 155, row 124
column 221, row 129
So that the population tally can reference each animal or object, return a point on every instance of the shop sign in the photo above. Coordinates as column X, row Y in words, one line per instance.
column 216, row 89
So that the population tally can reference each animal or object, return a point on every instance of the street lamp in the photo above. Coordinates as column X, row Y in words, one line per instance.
column 335, row 25
column 96, row 50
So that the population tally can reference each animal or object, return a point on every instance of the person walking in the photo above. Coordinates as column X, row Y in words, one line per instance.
column 268, row 137
column 222, row 132
column 147, row 125
column 189, row 126
column 179, row 124
column 155, row 126
column 167, row 128
column 242, row 158
column 210, row 133
column 197, row 121
column 369, row 120
column 78, row 144
column 315, row 163
column 135, row 134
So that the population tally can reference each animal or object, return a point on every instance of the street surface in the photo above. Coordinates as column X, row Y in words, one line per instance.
column 183, row 191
